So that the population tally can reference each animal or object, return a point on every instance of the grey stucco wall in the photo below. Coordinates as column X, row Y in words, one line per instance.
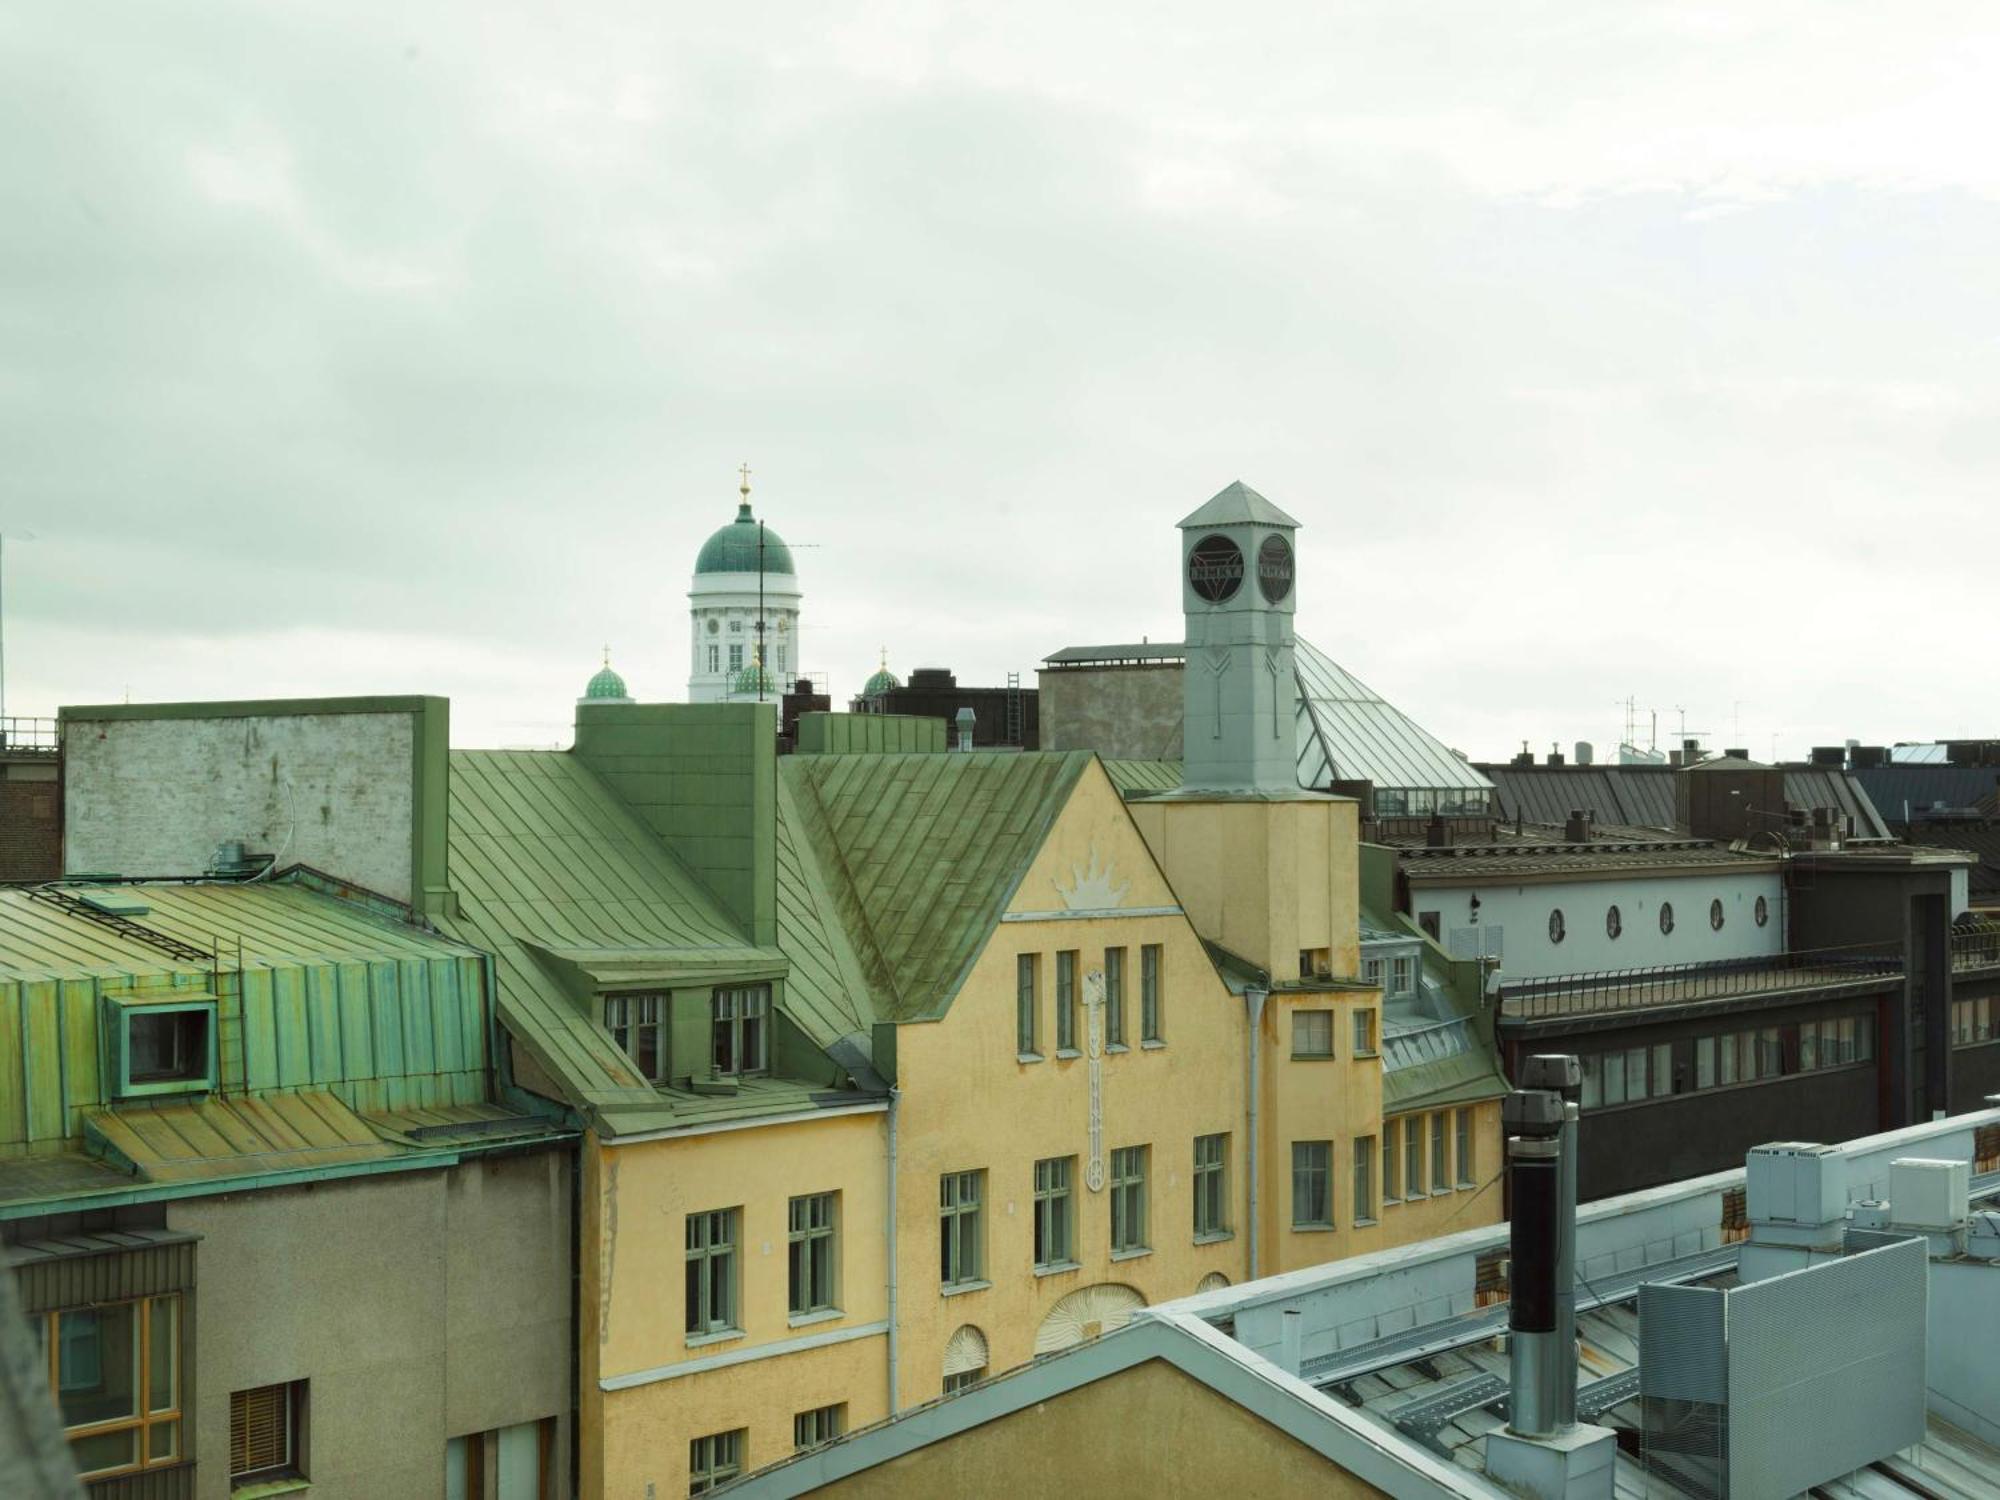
column 420, row 1306
column 155, row 796
column 1123, row 713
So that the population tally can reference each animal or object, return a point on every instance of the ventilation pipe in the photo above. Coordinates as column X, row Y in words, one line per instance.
column 964, row 720
column 1562, row 1075
column 1533, row 1121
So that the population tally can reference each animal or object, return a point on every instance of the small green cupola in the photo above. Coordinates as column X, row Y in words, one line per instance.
column 607, row 686
column 883, row 681
column 752, row 681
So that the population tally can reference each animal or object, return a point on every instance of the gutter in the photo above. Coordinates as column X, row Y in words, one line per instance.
column 894, row 1321
column 1254, row 999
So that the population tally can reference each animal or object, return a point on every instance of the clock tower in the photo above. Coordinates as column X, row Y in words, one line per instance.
column 1240, row 734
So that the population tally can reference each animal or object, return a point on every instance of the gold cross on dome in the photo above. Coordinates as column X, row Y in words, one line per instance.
column 745, row 472
column 607, row 653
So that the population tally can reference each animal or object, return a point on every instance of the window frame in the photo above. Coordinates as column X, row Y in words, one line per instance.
column 624, row 1029
column 818, row 1426
column 1463, row 1159
column 1211, row 1187
column 1440, row 1161
column 1392, row 1176
column 1028, row 1006
column 1311, row 1052
column 143, row 1418
column 1065, row 1001
column 1413, row 1157
column 1363, row 1185
column 1054, row 1222
column 1114, row 997
column 716, row 1458
column 733, row 1010
column 702, row 1319
column 121, row 1012
column 812, row 1254
column 292, row 1399
column 1312, row 1166
column 1152, row 995
column 962, row 1228
column 1129, row 1230
column 1365, row 1034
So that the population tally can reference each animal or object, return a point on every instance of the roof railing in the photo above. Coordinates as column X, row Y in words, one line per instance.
column 1683, row 984
column 1977, row 949
column 22, row 736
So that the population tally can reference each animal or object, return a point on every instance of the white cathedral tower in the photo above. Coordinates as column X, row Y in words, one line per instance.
column 743, row 579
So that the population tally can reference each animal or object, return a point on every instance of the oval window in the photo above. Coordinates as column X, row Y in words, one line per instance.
column 1274, row 568
column 1556, row 925
column 1763, row 911
column 1613, row 923
column 1666, row 916
column 1715, row 914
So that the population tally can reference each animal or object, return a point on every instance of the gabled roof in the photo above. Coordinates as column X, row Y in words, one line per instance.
column 1235, row 504
column 920, row 855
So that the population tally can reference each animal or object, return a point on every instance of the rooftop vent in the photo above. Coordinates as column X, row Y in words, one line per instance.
column 1577, row 829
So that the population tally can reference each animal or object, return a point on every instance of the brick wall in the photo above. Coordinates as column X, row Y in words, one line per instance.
column 30, row 828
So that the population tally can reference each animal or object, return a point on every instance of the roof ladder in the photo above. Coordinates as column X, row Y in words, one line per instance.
column 1014, row 725
column 125, row 927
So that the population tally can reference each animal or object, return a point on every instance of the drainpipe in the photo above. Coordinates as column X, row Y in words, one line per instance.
column 895, row 1331
column 1254, row 1149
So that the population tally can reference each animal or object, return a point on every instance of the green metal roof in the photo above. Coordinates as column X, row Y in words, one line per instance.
column 883, row 681
column 921, row 853
column 1139, row 776
column 733, row 549
column 1234, row 504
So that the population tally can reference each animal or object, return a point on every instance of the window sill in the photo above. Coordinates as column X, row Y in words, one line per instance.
column 1028, row 1057
column 1061, row 1268
column 1152, row 1045
column 1312, row 1229
column 262, row 1489
column 1366, row 1223
column 1466, row 1187
column 1364, row 1052
column 1133, row 1254
column 1443, row 1192
column 1116, row 1047
column 822, row 1315
column 1215, row 1237
column 1314, row 1057
column 1067, row 1053
column 720, row 1336
column 960, row 1288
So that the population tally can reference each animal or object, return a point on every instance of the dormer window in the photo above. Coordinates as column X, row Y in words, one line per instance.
column 740, row 1030
column 164, row 1047
column 634, row 1022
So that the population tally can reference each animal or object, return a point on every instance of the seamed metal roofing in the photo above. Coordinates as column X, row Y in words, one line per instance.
column 1349, row 732
column 1643, row 796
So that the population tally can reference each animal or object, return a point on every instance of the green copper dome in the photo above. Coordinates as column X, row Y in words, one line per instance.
column 606, row 684
column 752, row 680
column 881, row 682
column 733, row 549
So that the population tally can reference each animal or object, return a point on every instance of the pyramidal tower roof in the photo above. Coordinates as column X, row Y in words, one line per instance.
column 1236, row 504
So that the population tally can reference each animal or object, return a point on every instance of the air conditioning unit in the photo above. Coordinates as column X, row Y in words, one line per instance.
column 1929, row 1194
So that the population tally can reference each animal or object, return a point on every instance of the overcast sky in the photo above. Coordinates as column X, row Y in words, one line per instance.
column 1602, row 350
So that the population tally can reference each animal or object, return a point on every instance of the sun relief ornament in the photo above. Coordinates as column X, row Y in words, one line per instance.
column 1094, row 887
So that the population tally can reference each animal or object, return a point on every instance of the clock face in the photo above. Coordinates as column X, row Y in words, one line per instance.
column 1274, row 568
column 1215, row 568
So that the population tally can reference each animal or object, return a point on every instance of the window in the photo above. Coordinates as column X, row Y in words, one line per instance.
column 1762, row 911
column 1465, row 1162
column 736, row 627
column 811, row 1270
column 965, row 1359
column 1413, row 1157
column 1440, row 1166
column 1666, row 917
column 715, row 1459
column 1066, row 1001
column 1660, row 1073
column 1371, row 972
column 735, row 651
column 960, row 1380
column 961, row 1247
column 1055, row 1212
column 1704, row 1062
column 263, row 1433
column 1027, row 974
column 714, row 657
column 1715, row 914
column 821, row 1425
column 116, row 1369
column 1432, row 924
column 1211, row 1186
column 1312, row 1184
column 711, row 1272
column 1364, row 1032
column 1971, row 1022
column 1556, row 929
column 168, row 1046
column 504, row 1463
column 1114, row 997
column 1389, row 1175
column 1613, row 923
column 1312, row 1033
column 1149, row 993
column 1364, row 1170
column 741, row 1026
column 1128, row 1199
column 634, row 1021
column 1402, row 975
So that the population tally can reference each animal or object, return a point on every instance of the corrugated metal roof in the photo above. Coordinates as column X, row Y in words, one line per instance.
column 1131, row 776
column 221, row 1136
column 1923, row 787
column 1348, row 732
column 921, row 854
column 1643, row 796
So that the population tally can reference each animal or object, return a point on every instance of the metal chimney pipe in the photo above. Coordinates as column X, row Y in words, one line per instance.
column 1533, row 1122
column 1562, row 1075
column 1291, row 1341
column 965, row 719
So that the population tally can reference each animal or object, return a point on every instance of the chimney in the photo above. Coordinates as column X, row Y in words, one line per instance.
column 1526, row 757
column 964, row 719
column 1436, row 836
column 1561, row 1074
column 1555, row 755
column 1577, row 829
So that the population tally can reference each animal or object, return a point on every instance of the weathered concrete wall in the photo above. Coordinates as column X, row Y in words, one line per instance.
column 1185, row 1440
column 419, row 1306
column 1123, row 713
column 336, row 791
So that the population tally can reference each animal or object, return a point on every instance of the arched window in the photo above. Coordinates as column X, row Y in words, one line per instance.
column 964, row 1359
column 1715, row 917
column 1666, row 917
column 1556, row 929
column 1613, row 923
column 1763, row 911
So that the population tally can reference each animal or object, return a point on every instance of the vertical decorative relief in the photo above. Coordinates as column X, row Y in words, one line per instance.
column 1218, row 663
column 1093, row 1003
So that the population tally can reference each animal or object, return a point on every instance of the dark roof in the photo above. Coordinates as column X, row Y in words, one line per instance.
column 1643, row 796
column 1923, row 787
column 1982, row 839
column 1144, row 651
